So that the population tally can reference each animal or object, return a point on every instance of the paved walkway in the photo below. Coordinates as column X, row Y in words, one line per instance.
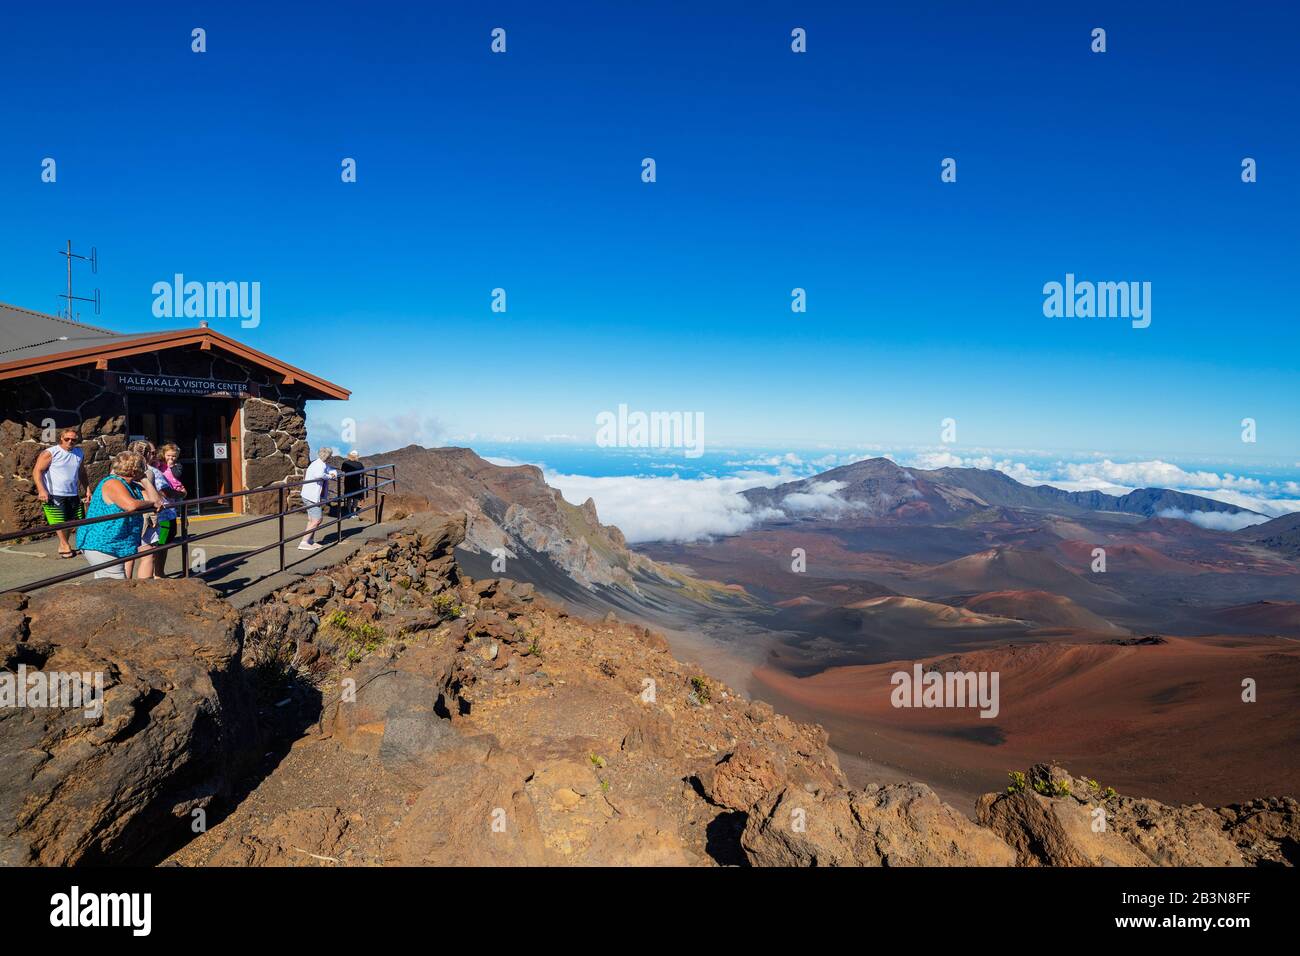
column 241, row 578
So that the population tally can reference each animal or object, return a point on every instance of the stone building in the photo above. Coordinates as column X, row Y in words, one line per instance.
column 237, row 414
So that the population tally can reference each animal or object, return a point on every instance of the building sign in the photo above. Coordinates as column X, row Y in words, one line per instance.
column 179, row 385
column 219, row 451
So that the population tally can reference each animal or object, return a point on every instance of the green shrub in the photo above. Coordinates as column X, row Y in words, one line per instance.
column 701, row 687
column 362, row 636
column 446, row 606
column 1048, row 788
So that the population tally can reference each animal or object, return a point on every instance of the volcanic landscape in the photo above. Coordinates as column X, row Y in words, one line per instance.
column 1135, row 674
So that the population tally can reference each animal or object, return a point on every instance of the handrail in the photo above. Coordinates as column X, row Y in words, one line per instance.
column 43, row 530
column 184, row 540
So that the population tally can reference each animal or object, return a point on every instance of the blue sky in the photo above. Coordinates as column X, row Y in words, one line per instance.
column 775, row 171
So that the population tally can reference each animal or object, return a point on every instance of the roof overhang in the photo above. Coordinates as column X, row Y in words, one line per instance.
column 120, row 347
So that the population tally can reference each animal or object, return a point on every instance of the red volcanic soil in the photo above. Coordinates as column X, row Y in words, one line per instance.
column 760, row 561
column 1039, row 607
column 1006, row 569
column 914, row 612
column 1164, row 720
column 1124, row 558
column 1262, row 617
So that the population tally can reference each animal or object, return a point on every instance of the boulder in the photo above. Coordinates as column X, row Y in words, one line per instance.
column 1266, row 832
column 743, row 777
column 793, row 827
column 898, row 825
column 1061, row 820
column 906, row 824
column 175, row 730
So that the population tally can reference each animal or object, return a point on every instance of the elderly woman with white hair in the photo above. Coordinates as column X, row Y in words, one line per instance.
column 313, row 493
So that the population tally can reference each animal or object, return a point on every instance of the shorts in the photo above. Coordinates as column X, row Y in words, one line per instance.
column 117, row 571
column 314, row 513
column 61, row 508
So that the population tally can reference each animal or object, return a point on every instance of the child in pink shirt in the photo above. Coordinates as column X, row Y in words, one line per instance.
column 171, row 457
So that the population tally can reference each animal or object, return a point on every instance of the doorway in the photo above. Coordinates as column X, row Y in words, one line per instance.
column 201, row 428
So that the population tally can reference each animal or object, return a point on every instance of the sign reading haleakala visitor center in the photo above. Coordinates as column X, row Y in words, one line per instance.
column 179, row 385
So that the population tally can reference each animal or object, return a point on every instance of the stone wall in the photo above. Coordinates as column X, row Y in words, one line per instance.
column 72, row 398
column 275, row 428
column 275, row 449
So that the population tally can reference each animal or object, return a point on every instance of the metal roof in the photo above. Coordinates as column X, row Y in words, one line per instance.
column 24, row 333
column 33, row 342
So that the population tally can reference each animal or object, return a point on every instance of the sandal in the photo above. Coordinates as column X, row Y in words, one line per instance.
column 67, row 554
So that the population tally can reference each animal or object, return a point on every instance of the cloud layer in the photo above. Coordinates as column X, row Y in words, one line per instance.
column 669, row 508
column 672, row 508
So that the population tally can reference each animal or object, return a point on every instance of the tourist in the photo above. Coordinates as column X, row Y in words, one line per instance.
column 149, row 485
column 171, row 461
column 313, row 492
column 352, row 468
column 119, row 493
column 62, row 485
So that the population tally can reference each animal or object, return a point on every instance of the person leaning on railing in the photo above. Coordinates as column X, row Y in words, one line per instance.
column 155, row 488
column 119, row 493
column 352, row 469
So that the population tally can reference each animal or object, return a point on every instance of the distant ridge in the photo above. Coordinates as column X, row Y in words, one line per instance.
column 881, row 488
column 1281, row 535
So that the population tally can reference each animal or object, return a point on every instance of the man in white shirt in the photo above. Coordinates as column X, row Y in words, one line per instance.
column 62, row 485
column 313, row 493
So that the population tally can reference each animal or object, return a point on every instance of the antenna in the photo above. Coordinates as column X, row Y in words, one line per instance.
column 93, row 259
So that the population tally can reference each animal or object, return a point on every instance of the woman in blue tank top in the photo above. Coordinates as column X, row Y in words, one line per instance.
column 119, row 493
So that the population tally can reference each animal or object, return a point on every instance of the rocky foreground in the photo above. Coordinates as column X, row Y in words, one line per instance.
column 389, row 710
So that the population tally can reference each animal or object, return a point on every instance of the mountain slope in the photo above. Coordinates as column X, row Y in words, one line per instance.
column 520, row 526
column 1007, row 569
column 880, row 488
column 1281, row 535
column 513, row 508
column 1038, row 607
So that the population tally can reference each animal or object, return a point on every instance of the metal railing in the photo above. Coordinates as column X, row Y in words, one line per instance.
column 371, row 483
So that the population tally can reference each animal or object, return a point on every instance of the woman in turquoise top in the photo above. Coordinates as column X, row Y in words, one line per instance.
column 119, row 493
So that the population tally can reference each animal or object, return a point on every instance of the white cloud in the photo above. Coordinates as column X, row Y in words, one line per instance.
column 670, row 508
column 1273, row 507
column 653, row 508
column 1214, row 520
column 1155, row 474
column 374, row 435
column 820, row 497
